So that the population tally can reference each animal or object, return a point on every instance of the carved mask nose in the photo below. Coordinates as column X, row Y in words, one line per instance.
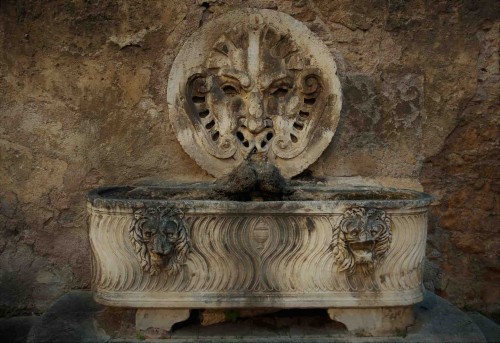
column 365, row 236
column 255, row 125
column 255, row 105
column 255, row 110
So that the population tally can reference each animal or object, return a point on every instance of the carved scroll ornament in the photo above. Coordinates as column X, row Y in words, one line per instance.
column 160, row 239
column 361, row 240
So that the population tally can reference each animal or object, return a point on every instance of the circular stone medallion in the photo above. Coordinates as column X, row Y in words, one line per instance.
column 254, row 85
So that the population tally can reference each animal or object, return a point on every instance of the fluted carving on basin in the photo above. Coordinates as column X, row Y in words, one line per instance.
column 114, row 261
column 403, row 265
column 294, row 256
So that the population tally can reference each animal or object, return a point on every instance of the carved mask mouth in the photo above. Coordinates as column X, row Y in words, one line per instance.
column 362, row 251
column 156, row 258
column 164, row 252
column 160, row 251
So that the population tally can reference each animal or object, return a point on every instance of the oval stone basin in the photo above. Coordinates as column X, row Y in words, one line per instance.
column 317, row 246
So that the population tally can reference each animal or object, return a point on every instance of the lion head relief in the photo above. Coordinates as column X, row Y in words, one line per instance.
column 361, row 239
column 160, row 239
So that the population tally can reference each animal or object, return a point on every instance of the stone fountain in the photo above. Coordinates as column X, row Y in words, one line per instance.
column 254, row 99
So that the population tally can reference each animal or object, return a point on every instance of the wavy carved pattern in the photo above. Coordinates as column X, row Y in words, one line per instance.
column 258, row 254
column 402, row 268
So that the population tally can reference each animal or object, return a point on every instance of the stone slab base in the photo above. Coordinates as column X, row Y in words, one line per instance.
column 75, row 317
column 378, row 321
column 490, row 329
column 15, row 329
column 162, row 319
column 211, row 317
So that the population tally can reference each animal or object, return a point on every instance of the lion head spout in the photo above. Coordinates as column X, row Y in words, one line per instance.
column 361, row 239
column 160, row 239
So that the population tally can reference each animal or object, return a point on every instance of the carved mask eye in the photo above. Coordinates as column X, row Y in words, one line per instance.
column 171, row 230
column 171, row 235
column 147, row 234
column 280, row 92
column 230, row 90
column 375, row 229
column 354, row 232
column 280, row 88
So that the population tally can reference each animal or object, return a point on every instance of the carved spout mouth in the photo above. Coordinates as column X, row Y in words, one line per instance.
column 256, row 125
column 362, row 251
column 362, row 246
column 157, row 258
column 159, row 250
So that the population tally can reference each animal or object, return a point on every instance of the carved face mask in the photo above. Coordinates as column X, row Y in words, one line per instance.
column 160, row 234
column 363, row 237
column 160, row 239
column 257, row 95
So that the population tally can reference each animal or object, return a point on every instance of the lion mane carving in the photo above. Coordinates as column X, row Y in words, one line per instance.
column 361, row 240
column 160, row 239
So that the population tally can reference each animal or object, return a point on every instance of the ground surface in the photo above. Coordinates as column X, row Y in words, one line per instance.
column 75, row 317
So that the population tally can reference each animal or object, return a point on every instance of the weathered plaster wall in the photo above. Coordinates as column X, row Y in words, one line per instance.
column 464, row 176
column 82, row 104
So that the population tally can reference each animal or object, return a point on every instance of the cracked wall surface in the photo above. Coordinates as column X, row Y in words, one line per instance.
column 83, row 104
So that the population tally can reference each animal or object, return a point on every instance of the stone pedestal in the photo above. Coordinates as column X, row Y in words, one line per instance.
column 146, row 318
column 378, row 321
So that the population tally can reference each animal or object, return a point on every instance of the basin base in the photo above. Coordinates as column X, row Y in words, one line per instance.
column 76, row 317
column 378, row 321
column 163, row 319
